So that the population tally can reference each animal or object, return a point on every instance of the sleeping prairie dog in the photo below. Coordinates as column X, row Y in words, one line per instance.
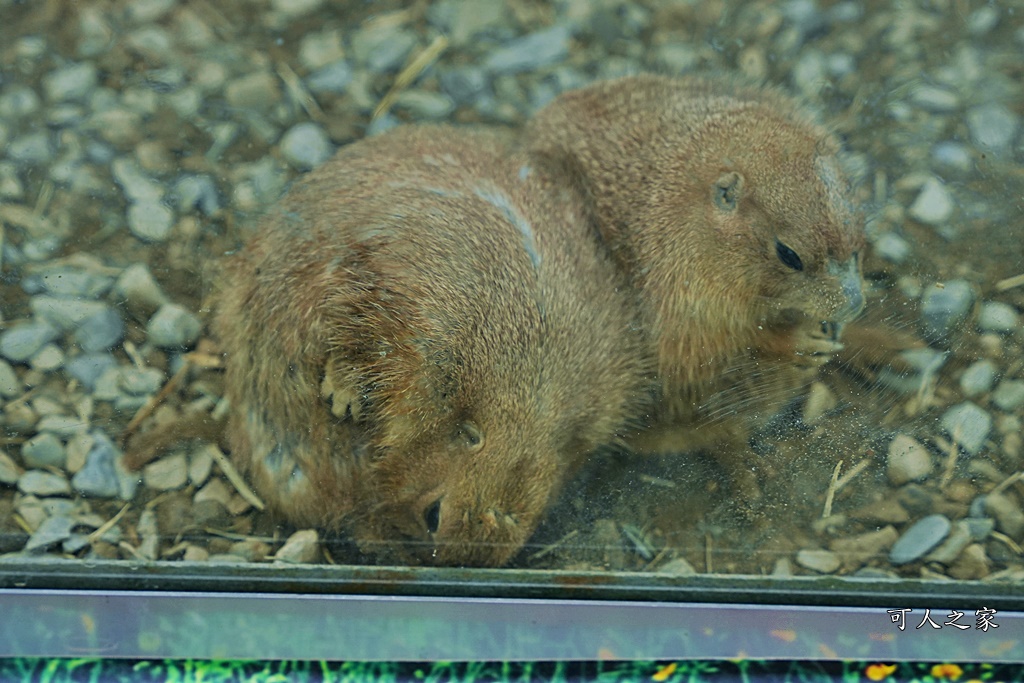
column 414, row 357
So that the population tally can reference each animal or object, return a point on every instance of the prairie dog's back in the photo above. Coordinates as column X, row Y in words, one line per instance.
column 415, row 354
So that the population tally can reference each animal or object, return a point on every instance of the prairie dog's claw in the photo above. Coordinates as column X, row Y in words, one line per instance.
column 817, row 346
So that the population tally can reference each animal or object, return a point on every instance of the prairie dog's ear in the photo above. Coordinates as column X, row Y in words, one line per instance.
column 727, row 191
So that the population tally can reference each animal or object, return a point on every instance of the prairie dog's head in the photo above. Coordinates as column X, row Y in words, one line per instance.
column 724, row 202
column 466, row 479
column 780, row 217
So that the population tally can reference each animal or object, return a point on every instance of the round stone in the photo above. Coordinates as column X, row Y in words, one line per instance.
column 907, row 461
column 934, row 203
column 997, row 316
column 43, row 450
column 920, row 539
column 306, row 146
column 150, row 221
column 173, row 327
column 978, row 378
column 969, row 424
column 42, row 483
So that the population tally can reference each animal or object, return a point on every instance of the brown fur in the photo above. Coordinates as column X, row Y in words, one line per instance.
column 405, row 328
column 689, row 183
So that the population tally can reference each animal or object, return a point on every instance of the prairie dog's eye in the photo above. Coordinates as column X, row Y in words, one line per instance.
column 470, row 436
column 788, row 257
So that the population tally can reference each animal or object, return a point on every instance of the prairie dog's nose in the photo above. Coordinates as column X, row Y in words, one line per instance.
column 852, row 287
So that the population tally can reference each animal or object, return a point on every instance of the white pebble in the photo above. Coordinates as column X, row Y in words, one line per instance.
column 997, row 316
column 934, row 204
column 150, row 221
column 908, row 460
column 173, row 327
column 306, row 146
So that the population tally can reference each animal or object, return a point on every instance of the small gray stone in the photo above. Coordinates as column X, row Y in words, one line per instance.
column 66, row 314
column 677, row 567
column 197, row 192
column 62, row 425
column 173, row 327
column 71, row 283
column 21, row 342
column 52, row 531
column 333, row 78
column 10, row 385
column 809, row 73
column 141, row 381
column 9, row 470
column 43, row 450
column 137, row 186
column 992, row 127
column 980, row 527
column 995, row 316
column 969, row 424
column 256, row 91
column 425, row 104
column 934, row 204
column 950, row 549
column 71, row 83
column 150, row 221
column 463, row 83
column 306, row 146
column 1009, row 395
column 42, row 483
column 1007, row 513
column 908, row 460
column 920, row 539
column 18, row 101
column 302, row 547
column 100, row 331
column 320, row 49
column 944, row 307
column 47, row 359
column 291, row 9
column 88, row 367
column 103, row 474
column 148, row 11
column 892, row 247
column 382, row 47
column 935, row 99
column 463, row 20
column 531, row 52
column 821, row 561
column 137, row 286
column 953, row 155
column 982, row 20
column 855, row 551
column 75, row 543
column 676, row 58
column 978, row 378
column 32, row 149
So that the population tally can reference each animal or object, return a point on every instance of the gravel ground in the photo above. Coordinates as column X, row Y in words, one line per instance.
column 140, row 138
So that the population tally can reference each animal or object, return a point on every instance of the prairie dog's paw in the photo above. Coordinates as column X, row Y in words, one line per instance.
column 814, row 345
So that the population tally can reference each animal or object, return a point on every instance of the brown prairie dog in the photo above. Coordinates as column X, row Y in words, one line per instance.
column 414, row 357
column 726, row 208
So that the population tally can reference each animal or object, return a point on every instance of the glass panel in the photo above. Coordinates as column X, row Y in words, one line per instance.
column 614, row 333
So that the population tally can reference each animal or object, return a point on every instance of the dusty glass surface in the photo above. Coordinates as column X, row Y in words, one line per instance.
column 143, row 140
